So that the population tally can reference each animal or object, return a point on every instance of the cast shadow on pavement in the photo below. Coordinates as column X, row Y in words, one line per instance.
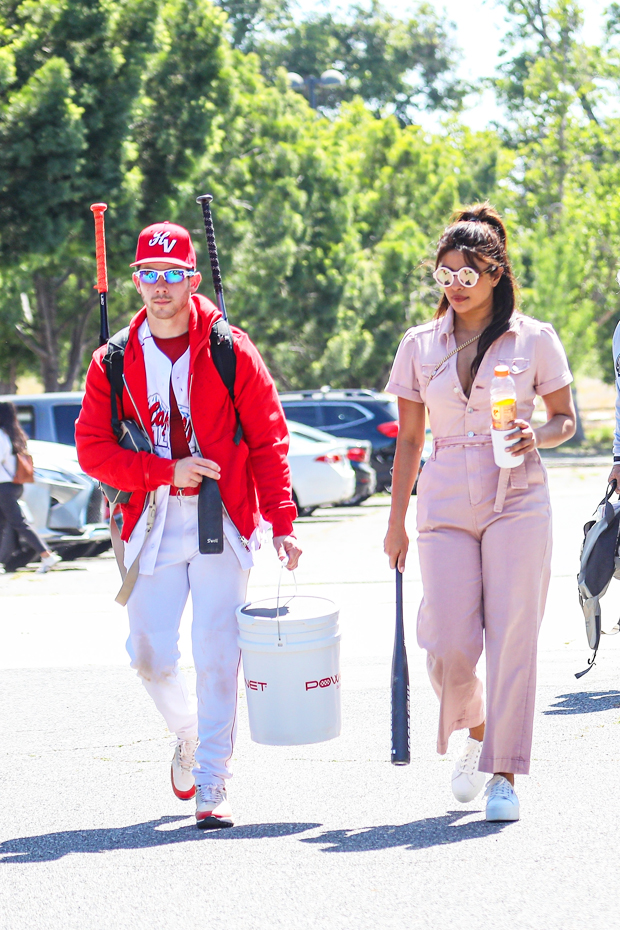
column 420, row 834
column 52, row 846
column 584, row 702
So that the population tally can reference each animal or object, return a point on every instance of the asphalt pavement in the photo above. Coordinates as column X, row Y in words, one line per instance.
column 329, row 835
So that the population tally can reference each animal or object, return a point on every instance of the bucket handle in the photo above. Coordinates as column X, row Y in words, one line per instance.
column 282, row 567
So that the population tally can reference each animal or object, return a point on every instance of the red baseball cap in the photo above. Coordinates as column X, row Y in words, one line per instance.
column 165, row 242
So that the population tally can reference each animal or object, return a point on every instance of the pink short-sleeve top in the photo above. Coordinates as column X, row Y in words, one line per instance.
column 531, row 349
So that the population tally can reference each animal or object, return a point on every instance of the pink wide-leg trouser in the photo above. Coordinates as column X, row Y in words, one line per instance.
column 485, row 577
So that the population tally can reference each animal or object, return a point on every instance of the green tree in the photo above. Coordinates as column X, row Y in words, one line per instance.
column 248, row 20
column 98, row 101
column 564, row 180
column 403, row 65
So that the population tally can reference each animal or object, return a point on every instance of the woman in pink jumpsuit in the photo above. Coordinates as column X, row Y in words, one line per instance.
column 484, row 533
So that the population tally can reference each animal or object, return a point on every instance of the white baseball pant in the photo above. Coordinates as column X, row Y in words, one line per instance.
column 218, row 586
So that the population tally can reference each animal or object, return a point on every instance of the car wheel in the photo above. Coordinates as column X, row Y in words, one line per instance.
column 302, row 511
column 355, row 501
column 78, row 551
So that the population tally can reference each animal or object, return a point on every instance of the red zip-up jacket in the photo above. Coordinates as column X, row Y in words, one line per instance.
column 255, row 474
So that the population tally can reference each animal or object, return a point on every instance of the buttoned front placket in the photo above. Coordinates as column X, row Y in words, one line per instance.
column 476, row 422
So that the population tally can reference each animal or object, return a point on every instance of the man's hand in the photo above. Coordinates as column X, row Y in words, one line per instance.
column 189, row 472
column 615, row 473
column 287, row 546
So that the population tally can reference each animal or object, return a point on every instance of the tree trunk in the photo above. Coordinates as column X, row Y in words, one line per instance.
column 46, row 290
column 580, row 435
column 10, row 385
column 45, row 337
column 79, row 344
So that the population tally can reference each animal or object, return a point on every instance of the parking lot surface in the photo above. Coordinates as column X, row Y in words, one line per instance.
column 329, row 835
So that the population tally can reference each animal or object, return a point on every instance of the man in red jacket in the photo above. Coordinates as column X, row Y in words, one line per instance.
column 174, row 391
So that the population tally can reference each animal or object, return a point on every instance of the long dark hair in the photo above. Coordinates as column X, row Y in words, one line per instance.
column 479, row 232
column 9, row 423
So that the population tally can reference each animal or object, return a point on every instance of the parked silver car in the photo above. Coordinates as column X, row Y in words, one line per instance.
column 65, row 506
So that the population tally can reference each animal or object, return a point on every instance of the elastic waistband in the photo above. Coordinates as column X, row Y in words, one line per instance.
column 483, row 439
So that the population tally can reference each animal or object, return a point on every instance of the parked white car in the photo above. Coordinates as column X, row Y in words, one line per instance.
column 64, row 505
column 320, row 470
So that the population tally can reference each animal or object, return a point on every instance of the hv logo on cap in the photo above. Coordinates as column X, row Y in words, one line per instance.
column 165, row 242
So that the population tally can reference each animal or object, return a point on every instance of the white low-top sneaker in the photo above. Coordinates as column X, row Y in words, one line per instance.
column 502, row 802
column 467, row 781
column 183, row 762
column 47, row 563
column 212, row 808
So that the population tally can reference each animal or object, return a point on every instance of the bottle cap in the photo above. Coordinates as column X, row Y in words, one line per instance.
column 502, row 371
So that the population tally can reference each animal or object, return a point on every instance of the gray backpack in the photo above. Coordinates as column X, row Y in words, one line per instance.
column 600, row 563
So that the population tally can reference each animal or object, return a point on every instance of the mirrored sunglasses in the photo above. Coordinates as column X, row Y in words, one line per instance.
column 466, row 277
column 170, row 276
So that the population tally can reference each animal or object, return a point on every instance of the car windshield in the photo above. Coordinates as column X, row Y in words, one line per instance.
column 65, row 416
column 303, row 413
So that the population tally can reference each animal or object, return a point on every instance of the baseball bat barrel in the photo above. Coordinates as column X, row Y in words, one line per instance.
column 400, row 685
column 205, row 200
column 102, row 270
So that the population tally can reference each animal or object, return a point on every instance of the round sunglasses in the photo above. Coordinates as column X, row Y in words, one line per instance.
column 467, row 277
column 170, row 276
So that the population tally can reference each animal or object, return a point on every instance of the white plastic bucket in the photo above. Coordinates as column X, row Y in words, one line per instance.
column 291, row 667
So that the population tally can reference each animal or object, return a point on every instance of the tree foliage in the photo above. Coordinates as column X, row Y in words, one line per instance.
column 325, row 221
column 400, row 64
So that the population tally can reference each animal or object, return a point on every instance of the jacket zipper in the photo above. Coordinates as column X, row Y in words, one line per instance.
column 244, row 542
column 138, row 412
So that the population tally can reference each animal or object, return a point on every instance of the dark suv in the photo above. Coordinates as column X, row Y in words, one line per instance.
column 352, row 414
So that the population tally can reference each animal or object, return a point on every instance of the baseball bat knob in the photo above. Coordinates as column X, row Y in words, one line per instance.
column 98, row 207
column 204, row 198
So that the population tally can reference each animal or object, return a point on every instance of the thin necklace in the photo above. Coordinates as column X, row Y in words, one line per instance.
column 453, row 352
column 469, row 341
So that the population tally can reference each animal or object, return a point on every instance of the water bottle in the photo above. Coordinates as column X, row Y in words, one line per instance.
column 503, row 415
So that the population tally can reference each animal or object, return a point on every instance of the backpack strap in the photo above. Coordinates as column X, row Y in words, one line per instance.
column 113, row 361
column 225, row 360
column 222, row 353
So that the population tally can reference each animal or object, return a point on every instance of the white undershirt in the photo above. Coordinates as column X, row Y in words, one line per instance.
column 7, row 459
column 160, row 372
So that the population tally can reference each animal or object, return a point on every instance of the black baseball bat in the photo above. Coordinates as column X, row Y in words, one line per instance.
column 400, row 685
column 205, row 200
column 210, row 511
column 102, row 270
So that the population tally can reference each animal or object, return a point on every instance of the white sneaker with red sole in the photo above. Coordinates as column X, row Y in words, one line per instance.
column 181, row 775
column 212, row 808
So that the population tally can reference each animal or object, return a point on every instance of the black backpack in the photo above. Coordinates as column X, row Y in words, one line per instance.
column 222, row 352
column 600, row 562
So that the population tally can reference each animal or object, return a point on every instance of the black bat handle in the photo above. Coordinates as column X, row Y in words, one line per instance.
column 210, row 518
column 205, row 200
column 400, row 685
column 104, row 329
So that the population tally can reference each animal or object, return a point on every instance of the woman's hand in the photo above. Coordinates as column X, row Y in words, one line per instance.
column 395, row 546
column 522, row 439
